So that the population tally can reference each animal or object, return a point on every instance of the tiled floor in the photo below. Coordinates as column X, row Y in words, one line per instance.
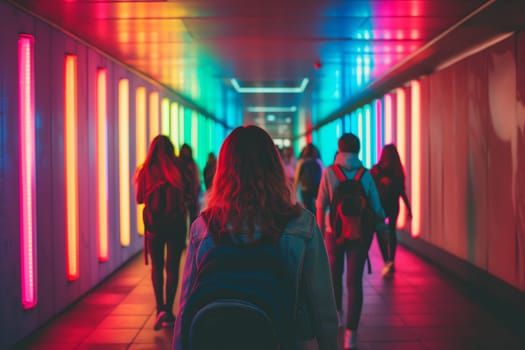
column 418, row 308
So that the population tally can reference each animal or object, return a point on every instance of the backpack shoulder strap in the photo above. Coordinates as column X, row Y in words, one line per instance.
column 359, row 174
column 339, row 173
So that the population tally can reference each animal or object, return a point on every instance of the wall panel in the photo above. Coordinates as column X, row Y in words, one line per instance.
column 477, row 186
column 502, row 162
column 520, row 175
column 45, row 175
column 439, row 109
column 425, row 159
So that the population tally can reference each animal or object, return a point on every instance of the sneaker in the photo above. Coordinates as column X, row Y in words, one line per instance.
column 350, row 340
column 169, row 321
column 387, row 268
column 161, row 316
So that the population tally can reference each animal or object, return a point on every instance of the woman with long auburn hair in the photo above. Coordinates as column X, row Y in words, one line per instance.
column 161, row 167
column 250, row 202
column 389, row 177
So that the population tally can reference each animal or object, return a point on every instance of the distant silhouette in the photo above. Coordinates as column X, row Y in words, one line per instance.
column 209, row 170
column 308, row 175
column 192, row 176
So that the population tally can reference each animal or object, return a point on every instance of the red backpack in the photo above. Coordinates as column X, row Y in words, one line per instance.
column 349, row 213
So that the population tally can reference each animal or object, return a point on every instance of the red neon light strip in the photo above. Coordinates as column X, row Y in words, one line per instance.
column 415, row 148
column 102, row 166
column 401, row 142
column 389, row 132
column 71, row 166
column 379, row 129
column 27, row 171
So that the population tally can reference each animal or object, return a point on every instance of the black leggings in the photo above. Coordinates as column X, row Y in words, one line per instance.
column 388, row 243
column 174, row 250
column 356, row 254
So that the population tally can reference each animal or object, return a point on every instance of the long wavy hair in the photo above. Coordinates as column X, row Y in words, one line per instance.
column 249, row 189
column 160, row 163
column 390, row 162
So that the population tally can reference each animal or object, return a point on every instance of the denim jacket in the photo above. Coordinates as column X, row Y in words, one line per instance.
column 302, row 246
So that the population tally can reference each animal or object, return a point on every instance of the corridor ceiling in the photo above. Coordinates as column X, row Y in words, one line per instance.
column 336, row 50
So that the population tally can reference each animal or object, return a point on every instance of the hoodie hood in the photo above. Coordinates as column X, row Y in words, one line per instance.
column 348, row 161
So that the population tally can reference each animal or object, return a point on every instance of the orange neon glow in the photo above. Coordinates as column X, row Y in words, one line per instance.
column 124, row 172
column 140, row 143
column 401, row 143
column 102, row 166
column 27, row 168
column 165, row 125
column 174, row 132
column 154, row 127
column 71, row 166
column 415, row 158
column 388, row 121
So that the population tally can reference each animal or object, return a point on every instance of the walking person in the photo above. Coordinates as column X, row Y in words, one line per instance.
column 160, row 187
column 192, row 176
column 290, row 164
column 250, row 204
column 308, row 175
column 348, row 166
column 209, row 170
column 389, row 177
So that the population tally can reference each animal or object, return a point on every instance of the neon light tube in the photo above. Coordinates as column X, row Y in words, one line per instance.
column 360, row 129
column 388, row 121
column 368, row 137
column 174, row 133
column 182, row 131
column 270, row 109
column 270, row 90
column 195, row 134
column 165, row 116
column 401, row 142
column 27, row 168
column 140, row 143
column 415, row 148
column 102, row 166
column 124, row 172
column 379, row 129
column 71, row 166
column 154, row 127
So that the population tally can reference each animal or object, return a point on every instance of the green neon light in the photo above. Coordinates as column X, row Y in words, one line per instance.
column 269, row 90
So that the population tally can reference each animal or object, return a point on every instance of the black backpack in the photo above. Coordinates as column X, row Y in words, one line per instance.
column 310, row 175
column 241, row 293
column 349, row 210
column 164, row 210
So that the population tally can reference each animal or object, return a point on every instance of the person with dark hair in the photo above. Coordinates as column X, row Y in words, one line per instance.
column 290, row 164
column 162, row 167
column 209, row 170
column 356, row 251
column 307, row 176
column 193, row 179
column 249, row 203
column 389, row 176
